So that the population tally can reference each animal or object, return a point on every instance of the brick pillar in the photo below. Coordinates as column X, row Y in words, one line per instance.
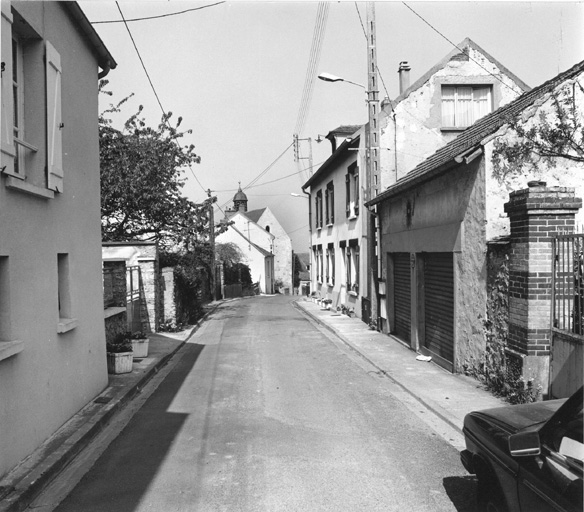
column 537, row 214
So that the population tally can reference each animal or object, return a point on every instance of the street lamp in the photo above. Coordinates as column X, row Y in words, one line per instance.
column 298, row 195
column 327, row 77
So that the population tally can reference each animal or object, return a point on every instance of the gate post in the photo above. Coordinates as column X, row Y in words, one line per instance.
column 536, row 214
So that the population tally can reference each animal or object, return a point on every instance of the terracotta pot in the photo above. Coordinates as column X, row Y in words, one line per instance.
column 120, row 362
column 140, row 348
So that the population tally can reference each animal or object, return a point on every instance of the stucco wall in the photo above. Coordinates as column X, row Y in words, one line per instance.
column 252, row 257
column 54, row 375
column 282, row 248
column 253, row 232
column 415, row 130
column 445, row 215
column 565, row 174
column 343, row 229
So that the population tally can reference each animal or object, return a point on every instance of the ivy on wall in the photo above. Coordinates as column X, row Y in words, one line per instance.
column 497, row 370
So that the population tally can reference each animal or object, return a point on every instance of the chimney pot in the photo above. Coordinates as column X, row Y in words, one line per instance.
column 404, row 76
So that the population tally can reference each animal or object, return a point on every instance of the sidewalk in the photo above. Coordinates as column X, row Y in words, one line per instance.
column 19, row 487
column 450, row 396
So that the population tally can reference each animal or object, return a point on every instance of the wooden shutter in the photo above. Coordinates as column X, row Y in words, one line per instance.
column 402, row 295
column 332, row 201
column 6, row 130
column 54, row 119
column 348, row 194
column 439, row 305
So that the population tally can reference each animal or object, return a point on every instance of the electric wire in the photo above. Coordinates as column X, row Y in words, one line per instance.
column 252, row 182
column 159, row 16
column 458, row 48
column 313, row 61
column 153, row 88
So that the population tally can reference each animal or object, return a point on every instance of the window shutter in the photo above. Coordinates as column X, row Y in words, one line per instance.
column 54, row 120
column 356, row 177
column 332, row 200
column 348, row 194
column 326, row 204
column 6, row 130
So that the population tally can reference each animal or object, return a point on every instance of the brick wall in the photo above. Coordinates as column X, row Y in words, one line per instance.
column 536, row 214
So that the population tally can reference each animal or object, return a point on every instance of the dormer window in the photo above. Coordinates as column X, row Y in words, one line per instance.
column 463, row 105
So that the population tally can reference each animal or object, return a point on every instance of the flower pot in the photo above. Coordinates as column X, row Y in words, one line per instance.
column 119, row 362
column 140, row 348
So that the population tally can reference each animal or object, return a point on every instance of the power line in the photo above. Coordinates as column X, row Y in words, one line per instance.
column 313, row 60
column 458, row 48
column 251, row 183
column 160, row 16
column 152, row 86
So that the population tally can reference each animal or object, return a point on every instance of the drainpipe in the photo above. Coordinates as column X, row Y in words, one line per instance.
column 309, row 230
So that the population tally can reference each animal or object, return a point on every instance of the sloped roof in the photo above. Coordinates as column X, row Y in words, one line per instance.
column 329, row 161
column 473, row 136
column 254, row 215
column 105, row 59
column 345, row 129
column 257, row 247
column 466, row 43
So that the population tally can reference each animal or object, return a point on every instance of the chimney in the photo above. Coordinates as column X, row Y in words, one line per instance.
column 404, row 76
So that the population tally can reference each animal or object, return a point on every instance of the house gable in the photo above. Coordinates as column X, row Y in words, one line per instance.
column 459, row 90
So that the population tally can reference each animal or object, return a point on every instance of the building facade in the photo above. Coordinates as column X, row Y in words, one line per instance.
column 259, row 235
column 52, row 340
column 438, row 221
column 464, row 86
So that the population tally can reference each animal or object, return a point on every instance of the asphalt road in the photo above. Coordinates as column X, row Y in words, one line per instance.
column 263, row 411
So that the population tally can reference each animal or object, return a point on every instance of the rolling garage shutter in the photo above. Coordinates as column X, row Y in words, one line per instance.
column 402, row 295
column 439, row 306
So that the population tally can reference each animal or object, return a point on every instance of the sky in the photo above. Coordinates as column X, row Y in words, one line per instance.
column 235, row 72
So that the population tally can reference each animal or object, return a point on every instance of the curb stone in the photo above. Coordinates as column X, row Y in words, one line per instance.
column 26, row 481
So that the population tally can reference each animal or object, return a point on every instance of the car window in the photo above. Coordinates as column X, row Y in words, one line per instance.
column 567, row 437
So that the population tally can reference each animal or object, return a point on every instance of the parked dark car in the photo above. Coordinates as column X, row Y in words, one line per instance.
column 527, row 458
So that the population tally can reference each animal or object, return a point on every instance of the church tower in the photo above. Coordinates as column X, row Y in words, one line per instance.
column 240, row 201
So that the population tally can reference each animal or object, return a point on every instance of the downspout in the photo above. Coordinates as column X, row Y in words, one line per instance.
column 309, row 231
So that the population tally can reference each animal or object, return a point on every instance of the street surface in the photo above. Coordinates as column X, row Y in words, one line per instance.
column 264, row 411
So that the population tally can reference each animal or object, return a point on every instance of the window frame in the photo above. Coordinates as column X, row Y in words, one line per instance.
column 330, row 203
column 457, row 111
column 318, row 209
column 352, row 191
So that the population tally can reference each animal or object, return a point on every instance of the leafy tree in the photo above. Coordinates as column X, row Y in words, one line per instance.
column 298, row 266
column 228, row 253
column 141, row 182
column 557, row 135
column 238, row 273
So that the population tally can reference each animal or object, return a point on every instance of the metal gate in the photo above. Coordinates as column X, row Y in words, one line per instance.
column 402, row 295
column 133, row 302
column 567, row 332
column 439, row 307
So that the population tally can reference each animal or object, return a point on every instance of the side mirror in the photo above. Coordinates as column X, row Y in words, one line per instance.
column 524, row 444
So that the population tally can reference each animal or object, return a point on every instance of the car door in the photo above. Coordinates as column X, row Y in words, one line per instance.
column 553, row 479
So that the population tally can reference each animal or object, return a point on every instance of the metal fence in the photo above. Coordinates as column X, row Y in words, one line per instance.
column 568, row 283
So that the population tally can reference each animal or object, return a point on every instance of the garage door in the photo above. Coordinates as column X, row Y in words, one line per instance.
column 439, row 306
column 402, row 295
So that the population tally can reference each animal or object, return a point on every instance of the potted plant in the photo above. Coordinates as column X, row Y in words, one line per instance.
column 140, row 344
column 119, row 355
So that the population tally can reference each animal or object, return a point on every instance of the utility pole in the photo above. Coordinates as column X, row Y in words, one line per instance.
column 212, row 243
column 297, row 156
column 372, row 164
